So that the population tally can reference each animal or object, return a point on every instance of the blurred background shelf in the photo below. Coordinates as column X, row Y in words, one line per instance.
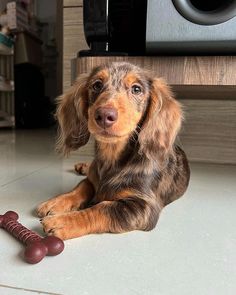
column 7, row 98
column 7, row 53
column 7, row 86
column 6, row 120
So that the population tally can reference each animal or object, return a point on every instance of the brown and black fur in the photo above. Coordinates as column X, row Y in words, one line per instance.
column 137, row 168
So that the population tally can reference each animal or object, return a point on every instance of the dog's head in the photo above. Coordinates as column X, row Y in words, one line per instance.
column 115, row 102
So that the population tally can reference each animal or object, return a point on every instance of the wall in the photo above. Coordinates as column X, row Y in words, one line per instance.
column 46, row 10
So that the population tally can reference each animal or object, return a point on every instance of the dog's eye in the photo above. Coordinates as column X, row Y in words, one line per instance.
column 97, row 86
column 136, row 89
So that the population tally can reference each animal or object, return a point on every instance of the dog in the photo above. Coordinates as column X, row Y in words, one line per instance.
column 138, row 169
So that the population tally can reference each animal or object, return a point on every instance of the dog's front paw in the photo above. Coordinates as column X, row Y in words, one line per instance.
column 64, row 226
column 54, row 206
column 82, row 168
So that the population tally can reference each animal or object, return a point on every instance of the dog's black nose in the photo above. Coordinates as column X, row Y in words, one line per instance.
column 106, row 117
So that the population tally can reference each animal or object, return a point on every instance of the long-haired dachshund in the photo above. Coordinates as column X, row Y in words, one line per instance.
column 137, row 169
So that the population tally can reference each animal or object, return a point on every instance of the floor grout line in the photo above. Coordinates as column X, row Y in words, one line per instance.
column 28, row 290
column 23, row 176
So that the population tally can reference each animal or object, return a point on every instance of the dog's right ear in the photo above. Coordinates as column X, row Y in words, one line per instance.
column 72, row 116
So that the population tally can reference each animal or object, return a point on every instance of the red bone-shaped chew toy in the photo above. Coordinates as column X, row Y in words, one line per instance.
column 36, row 247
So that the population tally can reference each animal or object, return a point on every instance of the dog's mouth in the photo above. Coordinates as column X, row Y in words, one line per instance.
column 108, row 136
column 107, row 133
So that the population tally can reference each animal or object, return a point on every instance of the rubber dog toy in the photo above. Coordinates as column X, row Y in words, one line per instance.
column 36, row 247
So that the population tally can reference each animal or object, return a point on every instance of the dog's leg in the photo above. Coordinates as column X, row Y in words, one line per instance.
column 108, row 216
column 73, row 200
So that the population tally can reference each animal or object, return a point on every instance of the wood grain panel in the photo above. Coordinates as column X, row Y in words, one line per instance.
column 206, row 70
column 74, row 40
column 208, row 133
column 177, row 70
column 202, row 92
column 69, row 3
column 73, row 16
column 85, row 64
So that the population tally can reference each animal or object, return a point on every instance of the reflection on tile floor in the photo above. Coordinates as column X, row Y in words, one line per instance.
column 191, row 251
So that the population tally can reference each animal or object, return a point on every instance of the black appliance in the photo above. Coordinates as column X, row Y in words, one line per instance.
column 149, row 27
column 115, row 27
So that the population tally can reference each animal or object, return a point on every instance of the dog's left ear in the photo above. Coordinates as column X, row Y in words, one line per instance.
column 162, row 123
column 72, row 116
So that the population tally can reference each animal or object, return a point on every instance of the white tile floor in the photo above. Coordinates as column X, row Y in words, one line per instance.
column 192, row 251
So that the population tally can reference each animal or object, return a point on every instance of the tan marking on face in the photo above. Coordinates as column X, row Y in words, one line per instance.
column 102, row 75
column 130, row 79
